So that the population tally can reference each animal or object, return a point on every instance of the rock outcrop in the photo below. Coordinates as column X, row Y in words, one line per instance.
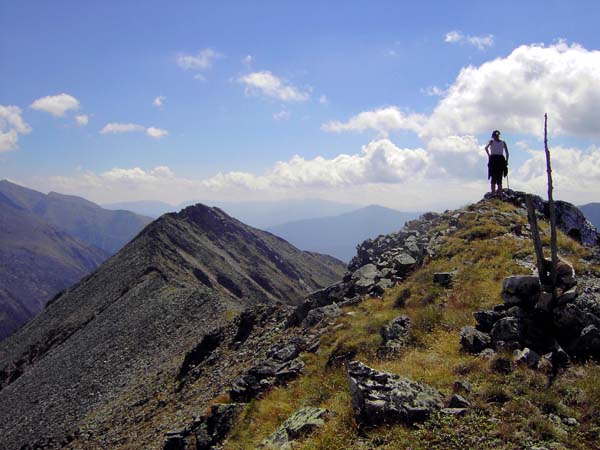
column 379, row 397
column 300, row 424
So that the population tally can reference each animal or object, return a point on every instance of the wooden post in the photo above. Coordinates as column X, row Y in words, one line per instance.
column 535, row 237
column 553, row 249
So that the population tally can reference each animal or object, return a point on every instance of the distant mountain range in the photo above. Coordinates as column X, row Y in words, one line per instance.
column 256, row 214
column 47, row 243
column 338, row 235
column 143, row 318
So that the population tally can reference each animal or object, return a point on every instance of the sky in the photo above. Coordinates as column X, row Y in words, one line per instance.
column 364, row 102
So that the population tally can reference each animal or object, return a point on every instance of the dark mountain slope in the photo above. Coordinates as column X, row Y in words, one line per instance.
column 36, row 261
column 338, row 235
column 592, row 212
column 128, row 326
column 108, row 230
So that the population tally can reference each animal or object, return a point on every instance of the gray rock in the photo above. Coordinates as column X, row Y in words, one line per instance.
column 174, row 440
column 322, row 314
column 368, row 271
column 589, row 343
column 487, row 319
column 544, row 302
column 473, row 340
column 264, row 375
column 381, row 286
column 520, row 290
column 527, row 357
column 444, row 279
column 395, row 335
column 506, row 329
column 283, row 352
column 457, row 412
column 458, row 401
column 403, row 263
column 299, row 424
column 462, row 386
column 567, row 296
column 380, row 397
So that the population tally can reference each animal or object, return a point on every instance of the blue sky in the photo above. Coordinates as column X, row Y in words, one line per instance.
column 245, row 85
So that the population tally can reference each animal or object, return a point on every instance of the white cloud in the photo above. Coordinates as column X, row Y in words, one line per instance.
column 433, row 91
column 156, row 133
column 11, row 125
column 481, row 42
column 284, row 114
column 158, row 101
column 113, row 128
column 267, row 84
column 513, row 93
column 57, row 105
column 82, row 120
column 203, row 60
column 323, row 100
column 383, row 121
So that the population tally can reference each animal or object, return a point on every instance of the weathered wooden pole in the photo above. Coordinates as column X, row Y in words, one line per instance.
column 535, row 237
column 553, row 249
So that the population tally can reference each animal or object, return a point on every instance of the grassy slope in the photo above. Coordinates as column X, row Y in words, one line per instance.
column 509, row 411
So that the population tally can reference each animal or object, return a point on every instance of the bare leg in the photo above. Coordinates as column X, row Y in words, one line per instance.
column 493, row 187
column 499, row 190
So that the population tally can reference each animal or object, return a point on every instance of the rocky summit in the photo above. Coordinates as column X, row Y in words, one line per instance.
column 121, row 347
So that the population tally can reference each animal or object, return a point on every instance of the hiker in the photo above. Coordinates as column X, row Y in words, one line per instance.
column 497, row 164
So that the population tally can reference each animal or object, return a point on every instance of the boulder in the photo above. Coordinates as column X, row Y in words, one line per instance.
column 283, row 352
column 264, row 375
column 458, row 401
column 380, row 397
column 379, row 288
column 299, row 424
column 473, row 340
column 567, row 296
column 527, row 357
column 506, row 329
column 322, row 314
column 521, row 290
column 367, row 271
column 211, row 429
column 444, row 279
column 487, row 319
column 174, row 440
column 403, row 263
column 589, row 343
column 462, row 386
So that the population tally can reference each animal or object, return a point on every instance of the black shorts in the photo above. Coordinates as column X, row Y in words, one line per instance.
column 497, row 168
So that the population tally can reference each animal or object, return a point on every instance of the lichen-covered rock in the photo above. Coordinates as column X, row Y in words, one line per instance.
column 322, row 314
column 380, row 397
column 264, row 375
column 299, row 424
column 474, row 341
column 395, row 335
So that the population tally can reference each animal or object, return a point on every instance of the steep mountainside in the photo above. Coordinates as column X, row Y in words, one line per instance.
column 338, row 235
column 37, row 260
column 592, row 212
column 108, row 230
column 127, row 336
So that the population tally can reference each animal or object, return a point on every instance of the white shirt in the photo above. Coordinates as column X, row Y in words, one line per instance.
column 496, row 147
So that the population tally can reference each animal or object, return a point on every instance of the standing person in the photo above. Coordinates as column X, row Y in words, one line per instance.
column 497, row 164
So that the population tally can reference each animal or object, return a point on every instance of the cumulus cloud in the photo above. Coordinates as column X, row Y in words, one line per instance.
column 156, row 133
column 203, row 60
column 267, row 84
column 82, row 120
column 383, row 121
column 57, row 105
column 433, row 91
column 11, row 125
column 514, row 92
column 114, row 127
column 158, row 101
column 481, row 42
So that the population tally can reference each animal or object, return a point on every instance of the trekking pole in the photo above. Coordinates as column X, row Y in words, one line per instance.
column 507, row 183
